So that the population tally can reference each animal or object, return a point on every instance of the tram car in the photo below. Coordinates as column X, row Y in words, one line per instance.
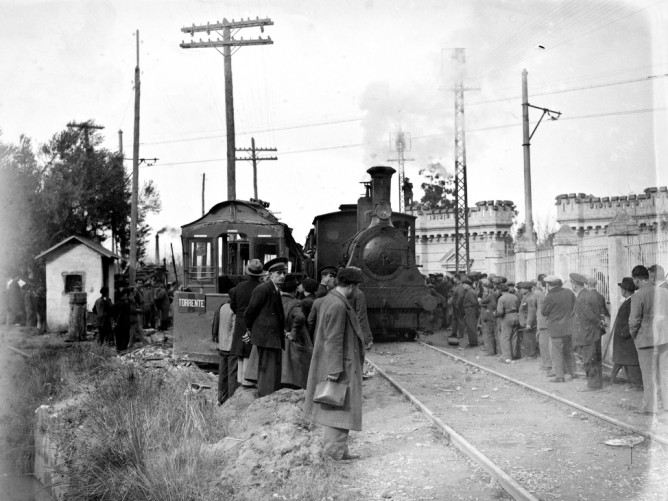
column 382, row 244
column 216, row 251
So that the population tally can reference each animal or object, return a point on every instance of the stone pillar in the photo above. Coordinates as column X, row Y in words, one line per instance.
column 565, row 245
column 620, row 228
column 525, row 259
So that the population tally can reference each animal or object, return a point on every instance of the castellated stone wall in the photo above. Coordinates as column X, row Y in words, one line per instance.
column 489, row 234
column 589, row 215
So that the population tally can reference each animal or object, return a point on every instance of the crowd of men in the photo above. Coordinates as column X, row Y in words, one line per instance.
column 25, row 304
column 137, row 307
column 280, row 332
column 544, row 318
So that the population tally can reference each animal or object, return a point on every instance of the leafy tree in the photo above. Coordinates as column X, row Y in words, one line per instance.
column 437, row 187
column 74, row 187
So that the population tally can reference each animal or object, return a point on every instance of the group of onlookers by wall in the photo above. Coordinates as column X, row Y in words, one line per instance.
column 24, row 304
column 543, row 317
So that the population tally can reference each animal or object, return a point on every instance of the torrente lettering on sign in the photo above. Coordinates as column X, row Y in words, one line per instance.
column 192, row 303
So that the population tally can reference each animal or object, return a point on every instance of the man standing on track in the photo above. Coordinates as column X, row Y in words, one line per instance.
column 648, row 325
column 557, row 309
column 587, row 329
column 338, row 355
column 265, row 321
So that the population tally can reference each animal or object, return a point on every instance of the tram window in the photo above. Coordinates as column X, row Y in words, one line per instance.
column 266, row 250
column 201, row 260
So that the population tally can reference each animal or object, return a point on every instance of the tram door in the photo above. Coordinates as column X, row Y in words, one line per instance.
column 233, row 256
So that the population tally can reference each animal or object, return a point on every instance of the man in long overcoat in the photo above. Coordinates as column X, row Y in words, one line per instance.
column 488, row 317
column 265, row 321
column 338, row 355
column 587, row 329
column 240, row 297
column 624, row 352
column 557, row 308
column 648, row 325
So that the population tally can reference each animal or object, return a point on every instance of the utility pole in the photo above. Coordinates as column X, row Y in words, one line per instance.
column 255, row 159
column 135, row 178
column 554, row 115
column 203, row 186
column 401, row 142
column 227, row 43
column 86, row 128
column 461, row 196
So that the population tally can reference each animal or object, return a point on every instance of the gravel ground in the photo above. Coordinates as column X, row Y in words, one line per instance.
column 554, row 451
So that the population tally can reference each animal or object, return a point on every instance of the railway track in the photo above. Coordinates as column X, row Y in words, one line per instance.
column 535, row 443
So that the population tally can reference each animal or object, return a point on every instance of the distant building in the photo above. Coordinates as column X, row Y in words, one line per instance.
column 75, row 264
column 588, row 215
column 489, row 236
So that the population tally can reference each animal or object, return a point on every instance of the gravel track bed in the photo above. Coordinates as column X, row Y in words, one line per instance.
column 552, row 450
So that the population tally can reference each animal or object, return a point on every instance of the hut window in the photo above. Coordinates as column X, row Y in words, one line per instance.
column 73, row 282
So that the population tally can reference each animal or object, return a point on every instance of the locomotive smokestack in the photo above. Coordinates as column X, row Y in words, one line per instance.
column 381, row 188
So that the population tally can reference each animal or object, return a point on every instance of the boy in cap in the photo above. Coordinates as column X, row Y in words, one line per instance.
column 327, row 277
column 338, row 355
column 265, row 321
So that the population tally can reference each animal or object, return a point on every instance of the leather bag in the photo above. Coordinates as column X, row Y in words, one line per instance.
column 330, row 393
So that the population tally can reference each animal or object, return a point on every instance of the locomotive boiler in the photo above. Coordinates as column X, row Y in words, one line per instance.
column 382, row 244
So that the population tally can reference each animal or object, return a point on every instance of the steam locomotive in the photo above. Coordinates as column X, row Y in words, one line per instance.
column 382, row 244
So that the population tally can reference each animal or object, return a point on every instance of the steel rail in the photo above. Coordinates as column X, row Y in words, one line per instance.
column 634, row 429
column 510, row 485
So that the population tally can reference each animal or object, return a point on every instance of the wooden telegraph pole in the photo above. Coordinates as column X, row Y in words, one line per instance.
column 223, row 29
column 135, row 178
column 255, row 159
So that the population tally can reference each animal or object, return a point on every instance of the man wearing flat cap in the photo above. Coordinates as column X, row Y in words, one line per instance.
column 557, row 308
column 327, row 277
column 471, row 311
column 338, row 355
column 506, row 309
column 624, row 352
column 648, row 326
column 588, row 319
column 527, row 318
column 264, row 326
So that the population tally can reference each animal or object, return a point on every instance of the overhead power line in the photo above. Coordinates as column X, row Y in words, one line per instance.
column 431, row 136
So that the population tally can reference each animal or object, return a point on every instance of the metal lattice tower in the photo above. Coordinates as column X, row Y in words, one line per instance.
column 401, row 142
column 461, row 197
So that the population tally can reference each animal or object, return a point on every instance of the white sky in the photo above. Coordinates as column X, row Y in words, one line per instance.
column 340, row 77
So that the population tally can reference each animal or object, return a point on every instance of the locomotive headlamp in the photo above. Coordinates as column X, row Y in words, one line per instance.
column 383, row 210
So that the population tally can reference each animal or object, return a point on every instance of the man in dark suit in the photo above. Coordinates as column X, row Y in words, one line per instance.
column 587, row 328
column 240, row 297
column 265, row 323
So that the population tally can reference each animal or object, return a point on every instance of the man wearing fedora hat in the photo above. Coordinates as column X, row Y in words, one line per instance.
column 265, row 321
column 338, row 355
column 239, row 299
column 624, row 352
column 588, row 319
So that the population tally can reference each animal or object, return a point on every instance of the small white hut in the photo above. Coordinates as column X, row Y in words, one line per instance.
column 76, row 263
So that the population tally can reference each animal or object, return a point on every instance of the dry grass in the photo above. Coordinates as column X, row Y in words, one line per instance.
column 135, row 435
